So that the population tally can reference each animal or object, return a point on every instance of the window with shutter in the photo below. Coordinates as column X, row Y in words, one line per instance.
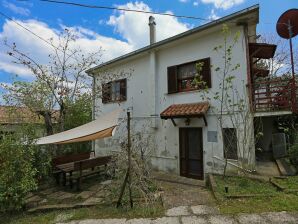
column 123, row 89
column 172, row 79
column 114, row 91
column 181, row 78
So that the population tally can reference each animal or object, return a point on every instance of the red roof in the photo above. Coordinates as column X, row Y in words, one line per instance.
column 185, row 110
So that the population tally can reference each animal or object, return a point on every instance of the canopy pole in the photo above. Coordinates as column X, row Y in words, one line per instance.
column 127, row 178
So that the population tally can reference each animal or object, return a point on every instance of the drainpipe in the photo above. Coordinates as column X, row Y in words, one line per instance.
column 93, row 108
column 152, row 72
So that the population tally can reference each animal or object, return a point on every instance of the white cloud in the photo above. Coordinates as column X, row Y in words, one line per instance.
column 16, row 9
column 196, row 3
column 223, row 4
column 213, row 15
column 88, row 41
column 183, row 1
column 134, row 26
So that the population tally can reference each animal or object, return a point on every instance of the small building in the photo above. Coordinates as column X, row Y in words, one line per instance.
column 178, row 125
column 13, row 117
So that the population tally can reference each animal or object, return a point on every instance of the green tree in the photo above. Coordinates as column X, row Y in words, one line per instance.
column 17, row 176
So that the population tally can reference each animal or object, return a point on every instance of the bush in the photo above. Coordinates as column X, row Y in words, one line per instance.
column 17, row 176
column 293, row 154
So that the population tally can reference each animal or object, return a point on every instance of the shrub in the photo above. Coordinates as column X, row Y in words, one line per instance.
column 17, row 176
column 293, row 154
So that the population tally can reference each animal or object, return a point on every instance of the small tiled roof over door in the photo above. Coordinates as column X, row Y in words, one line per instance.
column 185, row 110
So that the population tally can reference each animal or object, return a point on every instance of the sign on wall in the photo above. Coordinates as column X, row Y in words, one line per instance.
column 212, row 136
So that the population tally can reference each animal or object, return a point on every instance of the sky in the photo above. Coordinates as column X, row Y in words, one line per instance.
column 116, row 32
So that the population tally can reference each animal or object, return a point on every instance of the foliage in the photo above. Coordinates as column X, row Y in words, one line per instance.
column 97, row 212
column 290, row 182
column 144, row 188
column 293, row 154
column 242, row 185
column 56, row 83
column 270, row 200
column 17, row 176
column 79, row 112
column 278, row 203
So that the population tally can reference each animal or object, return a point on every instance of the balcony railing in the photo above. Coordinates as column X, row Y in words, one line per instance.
column 277, row 94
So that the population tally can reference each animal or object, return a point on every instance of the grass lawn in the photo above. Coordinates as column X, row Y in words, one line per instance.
column 243, row 186
column 271, row 200
column 290, row 183
column 98, row 212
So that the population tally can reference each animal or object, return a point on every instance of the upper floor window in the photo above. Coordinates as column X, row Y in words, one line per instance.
column 114, row 91
column 181, row 77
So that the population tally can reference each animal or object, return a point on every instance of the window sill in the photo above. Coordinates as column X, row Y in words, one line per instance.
column 111, row 102
column 184, row 92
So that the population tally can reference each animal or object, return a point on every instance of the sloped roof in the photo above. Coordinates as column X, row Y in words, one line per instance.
column 185, row 110
column 226, row 19
column 19, row 115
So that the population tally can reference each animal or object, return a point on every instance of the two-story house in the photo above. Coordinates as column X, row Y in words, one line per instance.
column 182, row 130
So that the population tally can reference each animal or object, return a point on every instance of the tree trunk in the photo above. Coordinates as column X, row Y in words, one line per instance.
column 62, row 116
column 49, row 128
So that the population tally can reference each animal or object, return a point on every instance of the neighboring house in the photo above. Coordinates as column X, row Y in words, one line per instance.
column 12, row 118
column 181, row 128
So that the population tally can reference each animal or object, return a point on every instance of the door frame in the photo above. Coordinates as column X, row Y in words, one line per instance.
column 186, row 153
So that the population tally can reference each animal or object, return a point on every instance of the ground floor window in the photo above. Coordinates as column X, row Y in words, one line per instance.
column 230, row 143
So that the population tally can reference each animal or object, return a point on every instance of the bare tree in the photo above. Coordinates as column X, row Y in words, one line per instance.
column 59, row 81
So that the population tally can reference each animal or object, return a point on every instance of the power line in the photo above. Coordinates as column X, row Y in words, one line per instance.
column 123, row 9
column 28, row 30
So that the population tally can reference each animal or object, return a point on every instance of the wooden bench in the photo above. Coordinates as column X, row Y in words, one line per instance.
column 88, row 164
column 67, row 159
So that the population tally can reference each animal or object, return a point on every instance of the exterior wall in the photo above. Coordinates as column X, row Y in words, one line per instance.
column 147, row 95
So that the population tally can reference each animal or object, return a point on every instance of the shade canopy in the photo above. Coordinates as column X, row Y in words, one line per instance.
column 97, row 129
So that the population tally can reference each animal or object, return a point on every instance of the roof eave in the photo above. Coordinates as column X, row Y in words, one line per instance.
column 176, row 37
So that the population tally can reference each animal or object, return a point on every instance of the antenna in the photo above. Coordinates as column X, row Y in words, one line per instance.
column 287, row 28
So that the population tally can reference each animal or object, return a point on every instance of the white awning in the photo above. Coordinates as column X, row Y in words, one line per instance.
column 100, row 128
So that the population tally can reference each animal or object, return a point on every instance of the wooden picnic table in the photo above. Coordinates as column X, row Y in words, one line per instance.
column 81, row 165
column 66, row 168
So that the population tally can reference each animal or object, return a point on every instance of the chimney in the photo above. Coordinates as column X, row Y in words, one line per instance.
column 152, row 25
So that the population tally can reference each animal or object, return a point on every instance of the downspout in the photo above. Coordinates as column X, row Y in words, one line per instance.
column 248, row 68
column 152, row 72
column 93, row 108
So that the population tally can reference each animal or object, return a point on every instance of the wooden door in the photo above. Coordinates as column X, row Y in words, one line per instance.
column 191, row 153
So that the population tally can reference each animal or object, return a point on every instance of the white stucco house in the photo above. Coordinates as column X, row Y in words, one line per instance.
column 169, row 114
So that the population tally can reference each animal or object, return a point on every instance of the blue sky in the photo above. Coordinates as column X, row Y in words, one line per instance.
column 116, row 32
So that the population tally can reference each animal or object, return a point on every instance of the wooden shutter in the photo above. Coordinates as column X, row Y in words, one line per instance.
column 106, row 92
column 172, row 79
column 123, row 89
column 206, row 71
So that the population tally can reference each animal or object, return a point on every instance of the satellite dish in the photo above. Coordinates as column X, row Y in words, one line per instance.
column 287, row 24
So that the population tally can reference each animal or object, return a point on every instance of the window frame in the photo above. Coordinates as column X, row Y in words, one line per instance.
column 175, row 83
column 107, row 97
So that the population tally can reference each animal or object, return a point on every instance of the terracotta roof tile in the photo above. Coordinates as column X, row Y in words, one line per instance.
column 18, row 115
column 185, row 110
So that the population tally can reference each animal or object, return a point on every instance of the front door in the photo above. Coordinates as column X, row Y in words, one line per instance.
column 191, row 153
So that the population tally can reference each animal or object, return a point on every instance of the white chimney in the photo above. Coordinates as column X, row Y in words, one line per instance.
column 152, row 29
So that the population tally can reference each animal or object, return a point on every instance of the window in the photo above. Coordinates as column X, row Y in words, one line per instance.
column 114, row 91
column 230, row 143
column 181, row 77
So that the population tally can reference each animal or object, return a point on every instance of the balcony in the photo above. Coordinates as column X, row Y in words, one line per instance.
column 269, row 94
column 275, row 94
